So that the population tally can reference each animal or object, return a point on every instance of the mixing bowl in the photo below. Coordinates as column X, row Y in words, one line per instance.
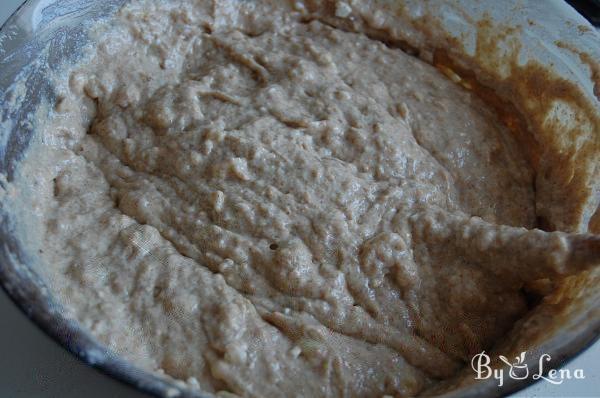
column 481, row 44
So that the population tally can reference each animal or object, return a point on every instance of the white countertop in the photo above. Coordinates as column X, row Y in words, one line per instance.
column 32, row 365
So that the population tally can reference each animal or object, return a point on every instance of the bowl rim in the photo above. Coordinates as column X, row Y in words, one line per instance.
column 46, row 316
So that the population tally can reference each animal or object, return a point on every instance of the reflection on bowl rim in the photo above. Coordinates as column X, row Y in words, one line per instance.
column 38, row 305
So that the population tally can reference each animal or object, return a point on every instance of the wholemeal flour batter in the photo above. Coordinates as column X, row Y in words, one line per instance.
column 259, row 203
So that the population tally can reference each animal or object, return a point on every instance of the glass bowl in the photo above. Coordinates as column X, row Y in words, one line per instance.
column 44, row 34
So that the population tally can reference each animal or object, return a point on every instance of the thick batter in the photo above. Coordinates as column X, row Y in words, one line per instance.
column 257, row 203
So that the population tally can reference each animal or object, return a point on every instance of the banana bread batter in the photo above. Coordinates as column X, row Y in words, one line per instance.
column 258, row 203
